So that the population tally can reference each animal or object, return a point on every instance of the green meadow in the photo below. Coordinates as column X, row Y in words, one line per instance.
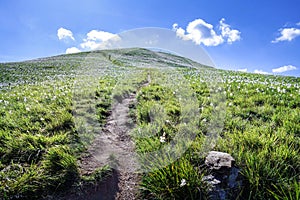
column 52, row 108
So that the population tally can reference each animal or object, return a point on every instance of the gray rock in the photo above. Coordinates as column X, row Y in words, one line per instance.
column 216, row 160
column 224, row 179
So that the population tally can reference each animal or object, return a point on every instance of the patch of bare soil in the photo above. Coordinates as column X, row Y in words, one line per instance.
column 114, row 146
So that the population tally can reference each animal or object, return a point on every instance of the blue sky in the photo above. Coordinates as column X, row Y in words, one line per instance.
column 254, row 36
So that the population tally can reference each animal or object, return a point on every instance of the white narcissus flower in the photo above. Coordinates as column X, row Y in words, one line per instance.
column 162, row 138
column 183, row 183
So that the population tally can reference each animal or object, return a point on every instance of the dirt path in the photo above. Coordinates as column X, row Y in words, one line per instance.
column 114, row 146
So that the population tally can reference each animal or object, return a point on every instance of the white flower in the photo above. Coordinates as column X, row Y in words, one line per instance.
column 162, row 138
column 183, row 183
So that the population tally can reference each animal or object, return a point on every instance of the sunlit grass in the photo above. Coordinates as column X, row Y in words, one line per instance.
column 45, row 125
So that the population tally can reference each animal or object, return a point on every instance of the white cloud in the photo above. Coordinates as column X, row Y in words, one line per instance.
column 175, row 26
column 63, row 33
column 298, row 24
column 94, row 40
column 259, row 71
column 180, row 32
column 243, row 70
column 99, row 35
column 284, row 69
column 201, row 32
column 98, row 39
column 287, row 34
column 72, row 50
column 232, row 35
column 89, row 44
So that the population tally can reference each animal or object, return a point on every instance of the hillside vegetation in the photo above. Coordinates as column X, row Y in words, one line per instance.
column 51, row 109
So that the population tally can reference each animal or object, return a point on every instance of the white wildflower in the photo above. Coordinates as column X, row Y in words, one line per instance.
column 162, row 138
column 183, row 183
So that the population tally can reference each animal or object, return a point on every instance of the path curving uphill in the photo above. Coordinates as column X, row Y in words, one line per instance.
column 114, row 146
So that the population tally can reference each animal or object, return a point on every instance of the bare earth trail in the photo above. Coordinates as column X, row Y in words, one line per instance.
column 114, row 146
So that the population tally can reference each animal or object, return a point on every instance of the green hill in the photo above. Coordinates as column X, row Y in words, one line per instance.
column 53, row 112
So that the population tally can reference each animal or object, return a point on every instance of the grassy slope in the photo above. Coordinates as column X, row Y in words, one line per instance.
column 42, row 136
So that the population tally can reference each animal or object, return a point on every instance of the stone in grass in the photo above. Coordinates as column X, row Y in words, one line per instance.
column 224, row 178
column 215, row 160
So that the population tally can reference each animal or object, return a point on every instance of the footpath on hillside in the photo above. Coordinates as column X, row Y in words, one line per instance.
column 114, row 146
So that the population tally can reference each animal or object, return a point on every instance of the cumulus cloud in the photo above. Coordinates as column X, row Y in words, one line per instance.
column 284, row 69
column 96, row 39
column 259, row 71
column 232, row 35
column 175, row 26
column 243, row 70
column 63, row 33
column 99, row 35
column 287, row 34
column 201, row 32
column 72, row 50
